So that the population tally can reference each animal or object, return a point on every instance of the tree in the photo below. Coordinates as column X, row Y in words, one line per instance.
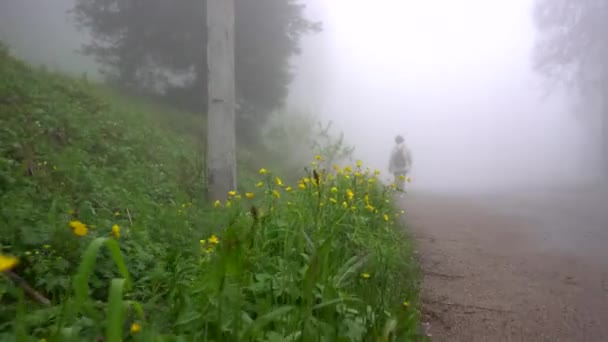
column 157, row 47
column 573, row 50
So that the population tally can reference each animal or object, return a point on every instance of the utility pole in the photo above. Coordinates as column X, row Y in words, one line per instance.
column 221, row 139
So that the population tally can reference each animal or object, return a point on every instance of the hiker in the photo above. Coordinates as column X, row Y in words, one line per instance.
column 400, row 162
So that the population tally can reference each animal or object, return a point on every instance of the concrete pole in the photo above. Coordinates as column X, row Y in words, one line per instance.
column 221, row 139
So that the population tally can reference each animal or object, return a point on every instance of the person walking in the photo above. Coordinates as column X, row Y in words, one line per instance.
column 400, row 162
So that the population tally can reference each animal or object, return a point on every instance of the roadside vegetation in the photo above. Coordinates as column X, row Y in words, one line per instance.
column 105, row 236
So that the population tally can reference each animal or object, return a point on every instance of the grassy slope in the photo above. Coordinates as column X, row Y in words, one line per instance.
column 288, row 263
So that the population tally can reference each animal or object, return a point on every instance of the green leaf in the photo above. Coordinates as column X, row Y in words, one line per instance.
column 116, row 311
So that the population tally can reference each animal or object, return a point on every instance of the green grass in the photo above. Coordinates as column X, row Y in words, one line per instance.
column 321, row 259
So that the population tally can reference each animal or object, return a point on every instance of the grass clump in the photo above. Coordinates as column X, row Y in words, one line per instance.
column 103, row 235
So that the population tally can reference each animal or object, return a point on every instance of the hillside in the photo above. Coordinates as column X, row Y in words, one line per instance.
column 104, row 234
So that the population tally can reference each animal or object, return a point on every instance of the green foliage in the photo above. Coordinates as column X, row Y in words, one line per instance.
column 100, row 203
column 158, row 47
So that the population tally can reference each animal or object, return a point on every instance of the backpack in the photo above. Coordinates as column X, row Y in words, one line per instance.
column 400, row 160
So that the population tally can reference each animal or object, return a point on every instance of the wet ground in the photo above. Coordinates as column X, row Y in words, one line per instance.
column 521, row 266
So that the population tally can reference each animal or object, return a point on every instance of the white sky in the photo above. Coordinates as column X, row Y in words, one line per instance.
column 453, row 76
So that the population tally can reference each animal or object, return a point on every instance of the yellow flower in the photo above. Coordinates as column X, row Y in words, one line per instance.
column 302, row 186
column 402, row 177
column 334, row 190
column 367, row 199
column 214, row 240
column 259, row 184
column 116, row 231
column 348, row 169
column 359, row 163
column 372, row 180
column 7, row 263
column 357, row 174
column 238, row 197
column 377, row 172
column 313, row 164
column 385, row 217
column 350, row 194
column 406, row 304
column 319, row 157
column 116, row 214
column 344, row 205
column 202, row 242
column 288, row 189
column 249, row 195
column 217, row 204
column 276, row 194
column 135, row 328
column 279, row 181
column 263, row 171
column 209, row 250
column 365, row 275
column 336, row 168
column 333, row 200
column 232, row 193
column 306, row 180
column 79, row 228
column 228, row 204
column 370, row 207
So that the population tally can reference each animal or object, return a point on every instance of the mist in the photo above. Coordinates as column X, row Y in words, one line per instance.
column 455, row 78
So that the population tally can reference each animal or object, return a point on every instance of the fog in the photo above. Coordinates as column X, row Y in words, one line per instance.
column 455, row 78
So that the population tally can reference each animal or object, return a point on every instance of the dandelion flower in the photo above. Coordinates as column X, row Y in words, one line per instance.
column 116, row 231
column 365, row 275
column 214, row 240
column 279, row 181
column 135, row 328
column 302, row 186
column 276, row 194
column 318, row 158
column 348, row 169
column 370, row 207
column 306, row 180
column 385, row 217
column 217, row 204
column 334, row 190
column 249, row 195
column 263, row 171
column 232, row 193
column 288, row 189
column 259, row 184
column 7, row 263
column 79, row 228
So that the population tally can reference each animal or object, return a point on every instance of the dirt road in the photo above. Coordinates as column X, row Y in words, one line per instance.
column 513, row 267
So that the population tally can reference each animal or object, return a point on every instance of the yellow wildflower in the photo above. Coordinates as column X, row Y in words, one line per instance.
column 306, row 180
column 79, row 228
column 217, row 204
column 249, row 195
column 202, row 242
column 377, row 172
column 334, row 190
column 385, row 217
column 214, row 240
column 402, row 177
column 302, row 186
column 263, row 171
column 238, row 197
column 344, row 205
column 318, row 157
column 259, row 184
column 370, row 207
column 135, row 328
column 279, row 181
column 372, row 180
column 276, row 194
column 288, row 189
column 367, row 199
column 116, row 231
column 232, row 193
column 357, row 174
column 116, row 214
column 406, row 304
column 365, row 275
column 359, row 163
column 333, row 200
column 228, row 204
column 7, row 263
column 350, row 194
